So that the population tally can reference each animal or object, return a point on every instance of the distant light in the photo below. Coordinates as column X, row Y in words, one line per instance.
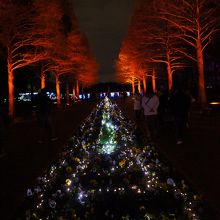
column 80, row 97
column 214, row 103
column 128, row 93
column 112, row 94
column 209, row 87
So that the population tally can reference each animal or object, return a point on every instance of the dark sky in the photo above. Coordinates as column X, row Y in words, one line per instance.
column 105, row 23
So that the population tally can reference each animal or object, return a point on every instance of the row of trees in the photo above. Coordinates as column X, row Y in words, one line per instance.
column 39, row 34
column 173, row 34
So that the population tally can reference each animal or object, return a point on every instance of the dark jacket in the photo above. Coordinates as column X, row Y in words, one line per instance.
column 180, row 104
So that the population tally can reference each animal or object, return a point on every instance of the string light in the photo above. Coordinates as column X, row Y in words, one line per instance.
column 106, row 161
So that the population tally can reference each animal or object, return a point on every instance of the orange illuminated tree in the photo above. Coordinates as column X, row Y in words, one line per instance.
column 85, row 66
column 23, row 46
column 74, row 59
column 155, row 41
column 125, row 71
column 66, row 49
column 88, row 71
column 42, row 38
column 48, row 29
column 196, row 22
column 132, row 65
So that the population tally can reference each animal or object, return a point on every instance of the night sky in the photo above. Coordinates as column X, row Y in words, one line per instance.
column 105, row 23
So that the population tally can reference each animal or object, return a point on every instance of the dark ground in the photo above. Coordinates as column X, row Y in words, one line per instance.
column 197, row 159
column 26, row 159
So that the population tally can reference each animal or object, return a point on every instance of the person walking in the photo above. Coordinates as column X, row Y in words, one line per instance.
column 44, row 108
column 150, row 104
column 180, row 105
column 137, row 105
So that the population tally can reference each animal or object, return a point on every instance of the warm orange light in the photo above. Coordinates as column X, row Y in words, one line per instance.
column 214, row 103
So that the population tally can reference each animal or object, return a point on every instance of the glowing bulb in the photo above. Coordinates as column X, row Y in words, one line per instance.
column 68, row 182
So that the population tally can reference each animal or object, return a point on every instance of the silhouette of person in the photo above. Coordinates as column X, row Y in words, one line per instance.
column 180, row 104
column 163, row 107
column 137, row 105
column 44, row 107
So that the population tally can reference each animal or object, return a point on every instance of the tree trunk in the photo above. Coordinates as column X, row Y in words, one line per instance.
column 58, row 90
column 43, row 79
column 74, row 94
column 201, row 77
column 11, row 107
column 139, row 86
column 144, row 85
column 77, row 88
column 153, row 80
column 169, row 75
column 169, row 71
column 132, row 86
column 67, row 94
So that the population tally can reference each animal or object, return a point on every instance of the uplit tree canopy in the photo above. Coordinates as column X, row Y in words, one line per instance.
column 36, row 32
column 22, row 46
column 170, row 32
column 197, row 22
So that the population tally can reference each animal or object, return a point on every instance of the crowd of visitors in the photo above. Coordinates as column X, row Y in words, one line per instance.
column 158, row 109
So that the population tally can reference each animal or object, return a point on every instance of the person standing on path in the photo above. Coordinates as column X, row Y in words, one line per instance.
column 44, row 108
column 180, row 105
column 137, row 105
column 150, row 104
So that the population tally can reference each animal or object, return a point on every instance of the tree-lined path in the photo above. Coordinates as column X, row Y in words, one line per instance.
column 108, row 170
column 68, row 48
column 26, row 159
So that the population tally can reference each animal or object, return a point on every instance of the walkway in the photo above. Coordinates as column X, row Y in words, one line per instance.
column 198, row 158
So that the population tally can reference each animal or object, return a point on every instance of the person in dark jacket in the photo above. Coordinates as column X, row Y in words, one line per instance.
column 180, row 105
column 44, row 108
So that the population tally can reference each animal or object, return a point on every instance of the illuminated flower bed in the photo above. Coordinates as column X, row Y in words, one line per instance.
column 103, row 174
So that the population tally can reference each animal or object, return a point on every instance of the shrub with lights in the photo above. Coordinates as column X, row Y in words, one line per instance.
column 103, row 174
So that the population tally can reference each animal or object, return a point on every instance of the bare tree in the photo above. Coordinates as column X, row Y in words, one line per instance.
column 155, row 40
column 48, row 29
column 126, row 68
column 196, row 22
column 16, row 35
